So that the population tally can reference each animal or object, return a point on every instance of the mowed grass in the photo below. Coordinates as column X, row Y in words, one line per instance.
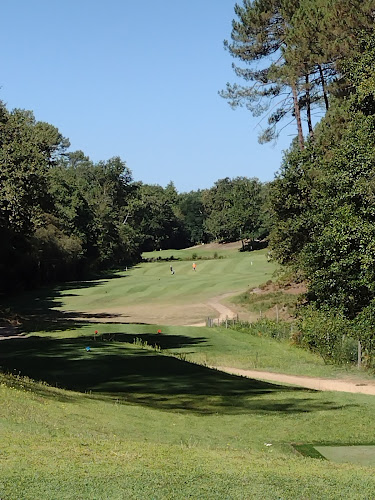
column 137, row 423
column 126, row 420
column 152, row 284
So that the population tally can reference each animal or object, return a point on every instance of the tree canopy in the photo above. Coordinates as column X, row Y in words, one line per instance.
column 292, row 50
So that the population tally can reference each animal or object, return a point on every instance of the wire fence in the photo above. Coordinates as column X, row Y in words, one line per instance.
column 227, row 322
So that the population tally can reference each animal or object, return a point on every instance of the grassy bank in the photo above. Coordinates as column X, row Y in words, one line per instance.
column 137, row 423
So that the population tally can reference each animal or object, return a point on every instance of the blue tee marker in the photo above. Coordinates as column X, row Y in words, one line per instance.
column 88, row 348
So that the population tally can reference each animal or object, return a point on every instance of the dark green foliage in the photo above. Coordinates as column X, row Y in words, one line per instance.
column 59, row 212
column 260, row 33
column 293, row 51
column 324, row 217
column 27, row 150
column 365, row 332
column 90, row 201
column 152, row 213
column 191, row 211
column 234, row 209
column 323, row 210
column 327, row 332
column 264, row 328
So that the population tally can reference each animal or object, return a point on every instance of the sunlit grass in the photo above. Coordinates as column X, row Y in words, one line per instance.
column 135, row 412
column 170, row 430
column 152, row 283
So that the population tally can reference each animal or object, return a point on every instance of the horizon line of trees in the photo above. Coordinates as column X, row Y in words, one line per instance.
column 63, row 216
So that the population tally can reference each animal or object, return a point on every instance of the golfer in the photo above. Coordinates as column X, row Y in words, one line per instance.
column 194, row 266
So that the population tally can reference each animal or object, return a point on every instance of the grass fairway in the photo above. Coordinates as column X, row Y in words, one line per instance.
column 126, row 420
column 148, row 293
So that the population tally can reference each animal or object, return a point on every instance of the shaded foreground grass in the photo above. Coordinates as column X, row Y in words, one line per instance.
column 141, row 424
column 130, row 374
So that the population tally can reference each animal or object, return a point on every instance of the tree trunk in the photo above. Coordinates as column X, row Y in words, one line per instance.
column 323, row 87
column 297, row 113
column 308, row 108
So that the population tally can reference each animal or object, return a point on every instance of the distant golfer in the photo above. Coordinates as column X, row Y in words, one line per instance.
column 194, row 266
column 172, row 270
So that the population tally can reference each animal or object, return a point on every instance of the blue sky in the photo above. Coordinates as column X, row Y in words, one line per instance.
column 139, row 80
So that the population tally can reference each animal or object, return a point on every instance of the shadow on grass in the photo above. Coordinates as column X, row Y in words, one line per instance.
column 125, row 373
column 37, row 309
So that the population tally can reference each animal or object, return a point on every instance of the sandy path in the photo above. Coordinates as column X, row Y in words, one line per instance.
column 224, row 311
column 319, row 384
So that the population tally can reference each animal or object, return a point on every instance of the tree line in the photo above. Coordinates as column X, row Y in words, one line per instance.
column 63, row 216
column 303, row 56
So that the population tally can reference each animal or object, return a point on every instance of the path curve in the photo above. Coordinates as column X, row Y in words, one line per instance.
column 319, row 384
column 224, row 311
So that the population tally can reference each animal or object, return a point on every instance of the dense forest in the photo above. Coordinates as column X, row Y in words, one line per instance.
column 308, row 62
column 303, row 57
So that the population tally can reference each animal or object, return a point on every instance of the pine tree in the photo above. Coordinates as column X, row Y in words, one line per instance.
column 259, row 35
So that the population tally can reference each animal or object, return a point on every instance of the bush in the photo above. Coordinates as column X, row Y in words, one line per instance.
column 365, row 333
column 327, row 332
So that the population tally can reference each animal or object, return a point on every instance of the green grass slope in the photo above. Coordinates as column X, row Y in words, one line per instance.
column 152, row 283
column 126, row 420
column 137, row 423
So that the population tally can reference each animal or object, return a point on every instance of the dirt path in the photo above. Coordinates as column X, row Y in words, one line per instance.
column 319, row 384
column 224, row 311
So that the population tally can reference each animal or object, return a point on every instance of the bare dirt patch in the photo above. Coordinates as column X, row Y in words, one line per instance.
column 157, row 314
column 290, row 288
column 282, row 310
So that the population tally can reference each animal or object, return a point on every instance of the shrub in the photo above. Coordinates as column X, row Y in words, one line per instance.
column 327, row 332
column 365, row 333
